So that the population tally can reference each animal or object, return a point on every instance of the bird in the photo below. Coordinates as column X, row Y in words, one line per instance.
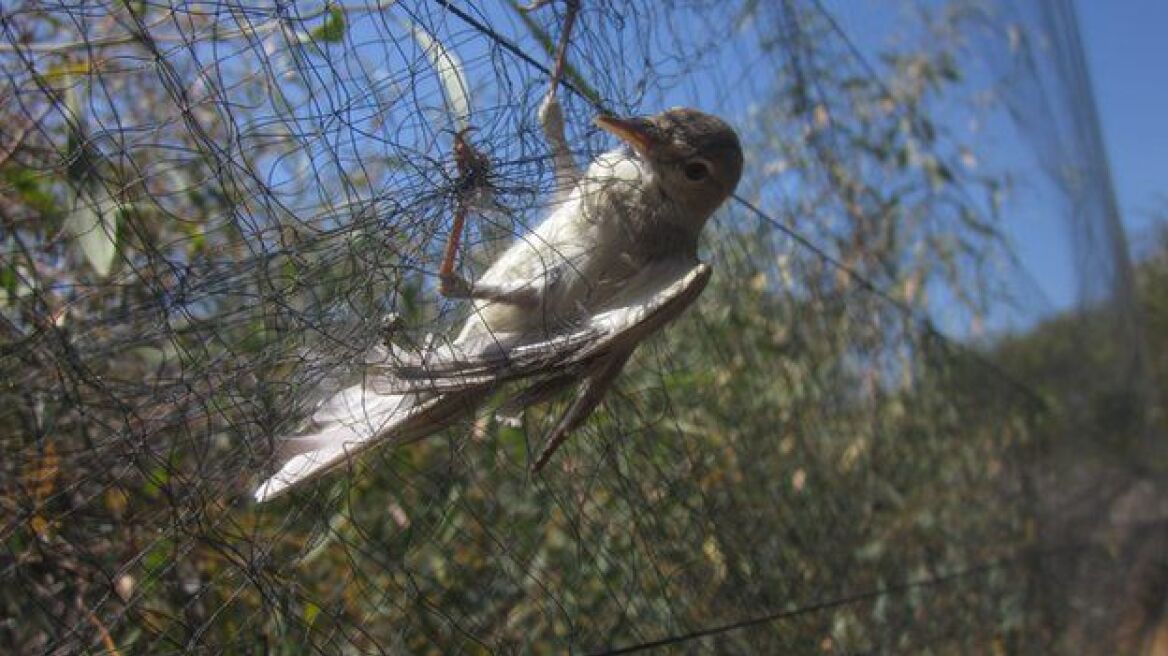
column 564, row 306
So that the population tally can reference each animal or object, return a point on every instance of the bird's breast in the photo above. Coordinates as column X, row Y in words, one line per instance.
column 581, row 254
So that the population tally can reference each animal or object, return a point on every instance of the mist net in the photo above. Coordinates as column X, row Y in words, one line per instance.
column 213, row 212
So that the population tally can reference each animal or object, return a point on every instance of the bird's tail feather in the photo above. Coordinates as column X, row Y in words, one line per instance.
column 354, row 420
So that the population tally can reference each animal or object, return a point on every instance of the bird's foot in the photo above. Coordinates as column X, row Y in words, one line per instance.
column 453, row 285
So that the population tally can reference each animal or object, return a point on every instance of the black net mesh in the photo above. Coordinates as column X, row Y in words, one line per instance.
column 858, row 440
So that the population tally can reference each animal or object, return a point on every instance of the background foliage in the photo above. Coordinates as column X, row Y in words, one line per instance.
column 208, row 209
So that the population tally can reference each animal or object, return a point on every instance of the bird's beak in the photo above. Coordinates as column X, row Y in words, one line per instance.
column 637, row 132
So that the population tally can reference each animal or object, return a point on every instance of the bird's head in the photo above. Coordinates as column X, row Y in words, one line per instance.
column 696, row 157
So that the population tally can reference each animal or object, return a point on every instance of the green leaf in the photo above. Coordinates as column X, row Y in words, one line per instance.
column 513, row 439
column 155, row 481
column 31, row 187
column 158, row 558
column 311, row 612
column 333, row 29
column 450, row 74
column 8, row 281
column 94, row 224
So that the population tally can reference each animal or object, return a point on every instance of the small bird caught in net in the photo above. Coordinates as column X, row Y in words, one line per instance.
column 425, row 326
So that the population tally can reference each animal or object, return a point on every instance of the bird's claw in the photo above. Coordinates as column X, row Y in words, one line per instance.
column 455, row 286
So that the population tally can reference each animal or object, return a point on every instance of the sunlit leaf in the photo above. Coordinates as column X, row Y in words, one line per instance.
column 39, row 478
column 41, row 527
column 311, row 612
column 40, row 475
column 93, row 223
column 450, row 74
column 333, row 29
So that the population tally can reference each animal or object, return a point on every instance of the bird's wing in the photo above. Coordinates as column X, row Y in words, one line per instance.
column 412, row 399
column 589, row 395
column 651, row 299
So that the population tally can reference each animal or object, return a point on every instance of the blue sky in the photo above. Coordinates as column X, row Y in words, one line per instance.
column 1125, row 50
column 1122, row 43
column 1127, row 53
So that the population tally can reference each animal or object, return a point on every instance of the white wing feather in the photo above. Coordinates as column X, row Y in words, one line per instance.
column 410, row 400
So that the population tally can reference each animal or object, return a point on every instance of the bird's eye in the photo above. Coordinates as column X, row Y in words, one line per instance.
column 696, row 171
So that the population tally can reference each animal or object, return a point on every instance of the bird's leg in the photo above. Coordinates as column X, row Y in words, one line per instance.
column 452, row 285
column 522, row 294
column 450, row 279
column 551, row 115
column 572, row 7
column 473, row 170
column 525, row 293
